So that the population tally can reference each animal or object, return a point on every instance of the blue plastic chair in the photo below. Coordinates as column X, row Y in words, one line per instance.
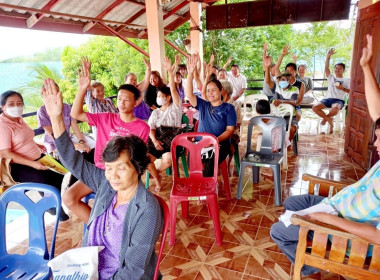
column 265, row 157
column 34, row 262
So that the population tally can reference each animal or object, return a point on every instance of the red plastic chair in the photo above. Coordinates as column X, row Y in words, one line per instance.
column 224, row 166
column 165, row 212
column 195, row 187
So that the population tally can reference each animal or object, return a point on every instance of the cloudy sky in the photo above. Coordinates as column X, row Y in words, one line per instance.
column 24, row 42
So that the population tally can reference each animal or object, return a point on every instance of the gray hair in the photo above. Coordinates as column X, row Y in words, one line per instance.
column 227, row 86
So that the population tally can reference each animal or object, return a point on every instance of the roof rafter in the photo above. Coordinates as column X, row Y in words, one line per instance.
column 33, row 19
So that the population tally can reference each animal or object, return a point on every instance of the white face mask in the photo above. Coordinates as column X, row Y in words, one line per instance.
column 161, row 101
column 15, row 111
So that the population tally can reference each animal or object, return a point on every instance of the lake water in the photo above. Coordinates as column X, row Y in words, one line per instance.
column 14, row 75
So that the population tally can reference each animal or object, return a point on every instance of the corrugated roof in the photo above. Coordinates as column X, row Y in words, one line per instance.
column 126, row 17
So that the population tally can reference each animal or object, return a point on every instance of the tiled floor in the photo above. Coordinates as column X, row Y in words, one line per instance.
column 247, row 251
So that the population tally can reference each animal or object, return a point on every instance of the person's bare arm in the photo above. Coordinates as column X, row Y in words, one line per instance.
column 167, row 65
column 285, row 51
column 83, row 83
column 227, row 63
column 197, row 76
column 267, row 63
column 372, row 90
column 143, row 85
column 301, row 94
column 208, row 75
column 81, row 146
column 239, row 94
column 363, row 230
column 157, row 143
column 192, row 63
column 16, row 158
column 226, row 134
column 265, row 48
column 327, row 62
column 49, row 131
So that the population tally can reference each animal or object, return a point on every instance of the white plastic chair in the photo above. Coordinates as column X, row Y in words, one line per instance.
column 251, row 100
column 339, row 121
column 283, row 110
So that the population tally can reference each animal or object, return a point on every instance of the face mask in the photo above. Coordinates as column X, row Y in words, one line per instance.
column 283, row 84
column 161, row 101
column 15, row 111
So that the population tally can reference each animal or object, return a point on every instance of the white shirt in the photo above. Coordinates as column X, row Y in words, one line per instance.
column 171, row 117
column 332, row 91
column 237, row 83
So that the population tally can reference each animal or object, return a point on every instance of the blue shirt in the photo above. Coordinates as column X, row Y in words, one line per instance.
column 215, row 120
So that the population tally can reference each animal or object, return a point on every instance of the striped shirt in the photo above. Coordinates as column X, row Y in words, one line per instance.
column 360, row 202
column 96, row 106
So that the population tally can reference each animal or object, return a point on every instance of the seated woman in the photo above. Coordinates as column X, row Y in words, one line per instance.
column 126, row 218
column 215, row 116
column 165, row 122
column 81, row 142
column 150, row 95
column 17, row 144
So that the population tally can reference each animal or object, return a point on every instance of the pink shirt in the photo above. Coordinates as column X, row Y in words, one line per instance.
column 109, row 125
column 18, row 137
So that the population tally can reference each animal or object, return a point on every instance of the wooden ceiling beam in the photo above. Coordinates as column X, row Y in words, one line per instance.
column 176, row 9
column 112, row 31
column 131, row 19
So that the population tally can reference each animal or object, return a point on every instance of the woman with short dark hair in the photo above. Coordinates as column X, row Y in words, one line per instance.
column 125, row 218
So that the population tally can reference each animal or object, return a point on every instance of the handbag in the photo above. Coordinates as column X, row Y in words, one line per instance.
column 6, row 179
column 166, row 135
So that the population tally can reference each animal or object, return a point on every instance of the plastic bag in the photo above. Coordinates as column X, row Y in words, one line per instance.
column 76, row 264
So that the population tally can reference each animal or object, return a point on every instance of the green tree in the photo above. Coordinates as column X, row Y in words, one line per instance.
column 111, row 60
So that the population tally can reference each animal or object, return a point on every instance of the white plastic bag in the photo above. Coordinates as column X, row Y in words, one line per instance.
column 76, row 264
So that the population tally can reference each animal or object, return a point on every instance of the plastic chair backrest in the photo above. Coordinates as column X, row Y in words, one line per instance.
column 194, row 152
column 165, row 212
column 252, row 99
column 283, row 110
column 266, row 129
column 185, row 120
column 36, row 211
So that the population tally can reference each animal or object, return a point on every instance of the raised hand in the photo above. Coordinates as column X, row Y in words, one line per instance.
column 192, row 63
column 229, row 60
column 52, row 98
column 167, row 65
column 210, row 64
column 267, row 61
column 330, row 52
column 367, row 52
column 285, row 50
column 86, row 63
column 294, row 57
column 265, row 46
column 84, row 79
column 177, row 60
column 147, row 63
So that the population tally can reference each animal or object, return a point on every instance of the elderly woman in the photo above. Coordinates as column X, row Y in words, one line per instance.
column 17, row 144
column 165, row 122
column 125, row 218
column 215, row 116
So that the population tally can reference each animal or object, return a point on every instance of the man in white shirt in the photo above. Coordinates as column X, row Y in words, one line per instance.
column 237, row 80
column 338, row 88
